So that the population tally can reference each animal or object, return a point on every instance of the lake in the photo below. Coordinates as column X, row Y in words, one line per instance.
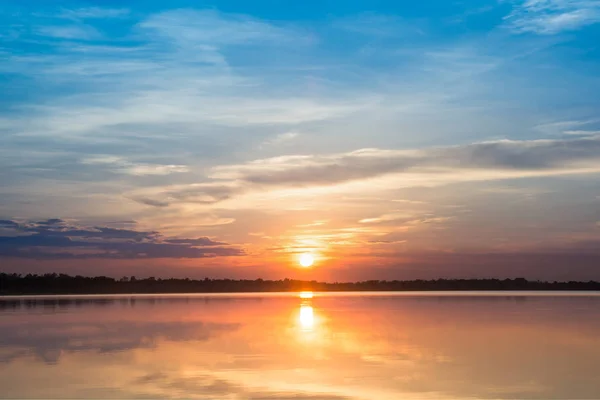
column 368, row 346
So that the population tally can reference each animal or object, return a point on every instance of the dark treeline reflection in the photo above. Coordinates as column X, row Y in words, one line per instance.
column 16, row 284
column 57, row 303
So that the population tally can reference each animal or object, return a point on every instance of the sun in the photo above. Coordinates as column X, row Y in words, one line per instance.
column 306, row 260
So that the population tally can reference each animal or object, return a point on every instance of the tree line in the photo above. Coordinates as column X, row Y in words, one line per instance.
column 18, row 284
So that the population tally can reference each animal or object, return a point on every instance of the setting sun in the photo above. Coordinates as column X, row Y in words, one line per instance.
column 306, row 260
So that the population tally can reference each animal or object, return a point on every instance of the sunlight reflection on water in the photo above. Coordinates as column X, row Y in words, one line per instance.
column 306, row 317
column 308, row 346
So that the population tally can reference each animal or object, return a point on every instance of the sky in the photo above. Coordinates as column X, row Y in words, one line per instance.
column 389, row 140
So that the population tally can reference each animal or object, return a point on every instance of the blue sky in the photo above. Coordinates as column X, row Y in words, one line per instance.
column 388, row 139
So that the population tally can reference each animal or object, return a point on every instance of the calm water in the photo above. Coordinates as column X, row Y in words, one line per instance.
column 285, row 347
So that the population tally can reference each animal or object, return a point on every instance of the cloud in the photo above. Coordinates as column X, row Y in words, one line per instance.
column 150, row 202
column 199, row 193
column 196, row 242
column 149, row 169
column 4, row 223
column 186, row 79
column 582, row 133
column 75, row 32
column 384, row 218
column 386, row 241
column 377, row 25
column 50, row 222
column 562, row 127
column 209, row 27
column 281, row 138
column 58, row 239
column 548, row 17
column 296, row 396
column 493, row 160
column 94, row 12
column 121, row 165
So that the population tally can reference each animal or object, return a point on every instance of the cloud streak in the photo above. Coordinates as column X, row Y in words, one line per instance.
column 118, row 164
column 494, row 160
column 506, row 158
column 73, row 32
column 209, row 27
column 548, row 17
column 59, row 239
column 94, row 12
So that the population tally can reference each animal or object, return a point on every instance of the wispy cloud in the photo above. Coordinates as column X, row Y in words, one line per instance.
column 545, row 157
column 385, row 218
column 582, row 133
column 74, row 32
column 569, row 127
column 209, row 27
column 94, row 12
column 314, row 176
column 547, row 17
column 119, row 164
column 377, row 25
column 198, row 193
column 281, row 138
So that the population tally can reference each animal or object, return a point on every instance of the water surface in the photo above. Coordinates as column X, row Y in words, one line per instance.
column 286, row 346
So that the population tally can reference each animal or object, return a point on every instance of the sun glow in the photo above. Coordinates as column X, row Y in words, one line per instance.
column 306, row 260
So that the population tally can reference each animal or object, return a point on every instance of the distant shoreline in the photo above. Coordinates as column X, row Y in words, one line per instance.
column 381, row 293
column 60, row 284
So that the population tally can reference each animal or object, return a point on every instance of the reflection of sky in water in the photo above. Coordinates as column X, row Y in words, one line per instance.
column 321, row 347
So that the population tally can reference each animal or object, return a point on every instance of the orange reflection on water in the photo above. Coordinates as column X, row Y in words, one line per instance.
column 357, row 347
column 306, row 317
